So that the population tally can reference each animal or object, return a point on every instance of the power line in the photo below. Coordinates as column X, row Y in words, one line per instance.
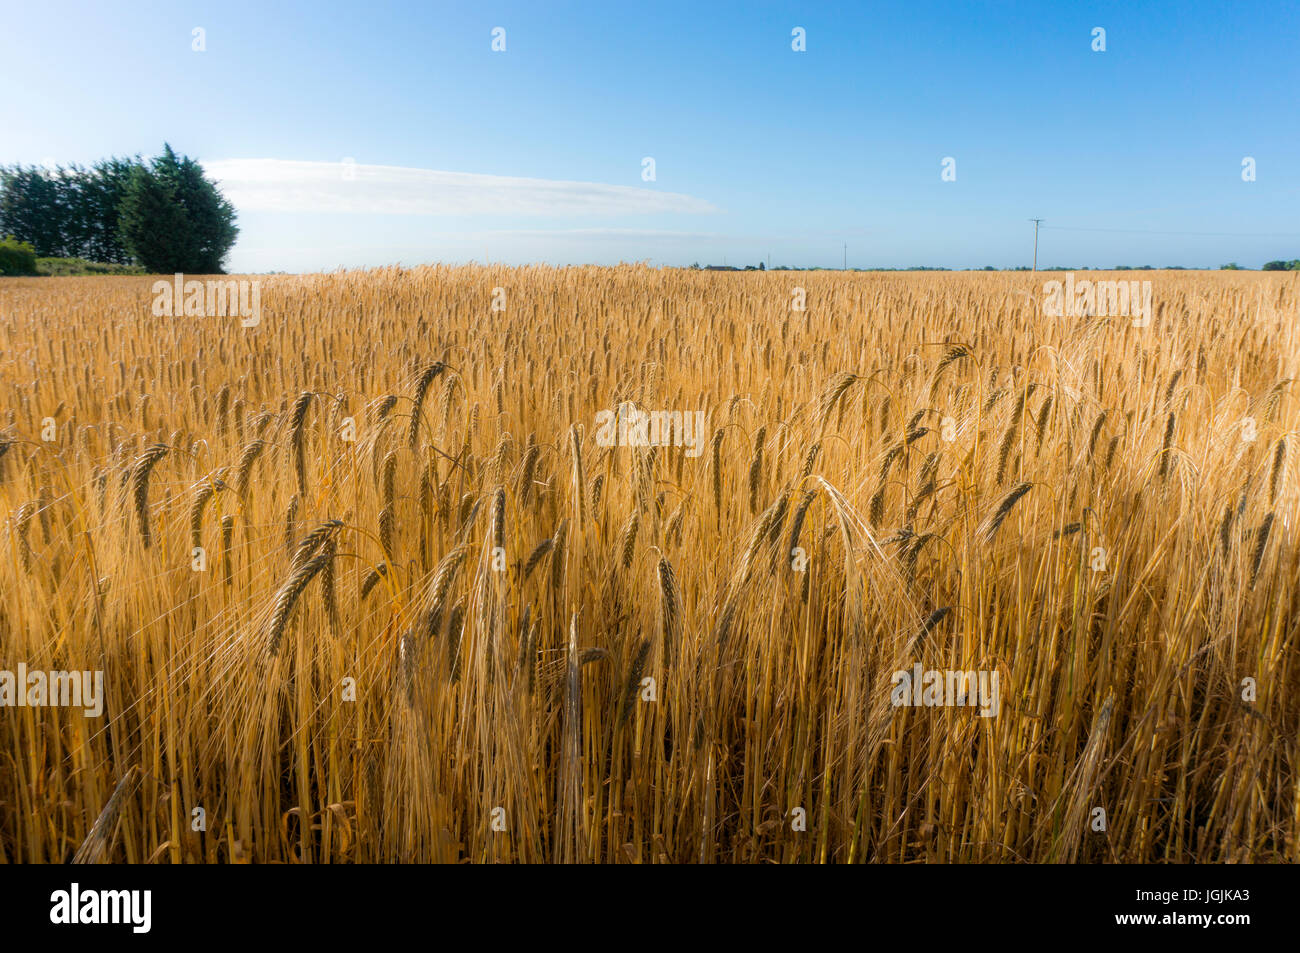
column 1143, row 231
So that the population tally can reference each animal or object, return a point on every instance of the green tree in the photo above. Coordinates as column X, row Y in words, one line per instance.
column 16, row 258
column 30, row 209
column 211, row 217
column 153, row 224
column 103, row 189
column 171, row 218
column 68, row 212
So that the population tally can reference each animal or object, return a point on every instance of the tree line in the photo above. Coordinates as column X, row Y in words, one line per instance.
column 163, row 214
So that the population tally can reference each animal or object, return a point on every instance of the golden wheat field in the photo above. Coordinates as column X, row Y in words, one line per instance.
column 365, row 583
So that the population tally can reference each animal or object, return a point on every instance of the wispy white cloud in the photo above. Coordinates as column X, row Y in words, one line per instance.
column 619, row 234
column 281, row 185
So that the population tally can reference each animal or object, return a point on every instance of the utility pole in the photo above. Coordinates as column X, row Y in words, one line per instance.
column 1036, row 222
column 846, row 256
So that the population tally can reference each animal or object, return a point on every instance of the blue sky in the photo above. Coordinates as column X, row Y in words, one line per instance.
column 1131, row 156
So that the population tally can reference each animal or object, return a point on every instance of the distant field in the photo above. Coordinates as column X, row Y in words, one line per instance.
column 527, row 638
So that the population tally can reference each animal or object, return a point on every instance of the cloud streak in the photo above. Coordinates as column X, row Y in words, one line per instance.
column 282, row 185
